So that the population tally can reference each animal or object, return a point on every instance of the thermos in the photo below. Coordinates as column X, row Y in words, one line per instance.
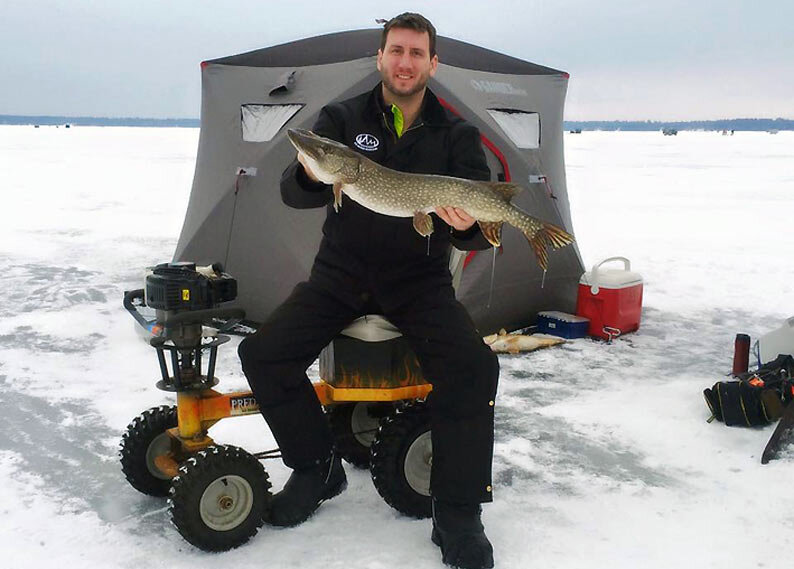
column 741, row 354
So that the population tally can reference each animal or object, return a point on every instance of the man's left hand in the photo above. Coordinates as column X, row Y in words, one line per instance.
column 455, row 217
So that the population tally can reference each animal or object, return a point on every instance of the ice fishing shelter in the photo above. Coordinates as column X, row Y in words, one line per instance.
column 236, row 216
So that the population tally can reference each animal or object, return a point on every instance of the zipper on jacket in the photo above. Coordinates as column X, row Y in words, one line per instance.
column 394, row 134
column 386, row 124
column 413, row 126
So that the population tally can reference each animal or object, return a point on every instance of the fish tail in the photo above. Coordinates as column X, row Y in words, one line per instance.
column 547, row 235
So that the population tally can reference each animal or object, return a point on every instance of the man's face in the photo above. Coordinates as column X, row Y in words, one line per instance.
column 405, row 64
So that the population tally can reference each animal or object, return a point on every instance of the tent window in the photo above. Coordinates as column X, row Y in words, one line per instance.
column 262, row 122
column 521, row 127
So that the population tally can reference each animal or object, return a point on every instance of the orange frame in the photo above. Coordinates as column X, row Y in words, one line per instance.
column 197, row 411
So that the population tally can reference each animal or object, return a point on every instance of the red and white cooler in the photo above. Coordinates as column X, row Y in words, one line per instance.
column 611, row 299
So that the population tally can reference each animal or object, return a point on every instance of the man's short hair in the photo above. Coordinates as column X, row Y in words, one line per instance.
column 410, row 21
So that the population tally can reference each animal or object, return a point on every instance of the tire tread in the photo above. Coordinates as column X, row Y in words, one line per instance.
column 395, row 435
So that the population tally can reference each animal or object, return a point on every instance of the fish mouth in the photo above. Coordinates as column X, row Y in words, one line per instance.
column 304, row 141
column 313, row 145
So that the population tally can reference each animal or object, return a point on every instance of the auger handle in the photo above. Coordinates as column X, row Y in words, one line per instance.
column 129, row 296
column 190, row 317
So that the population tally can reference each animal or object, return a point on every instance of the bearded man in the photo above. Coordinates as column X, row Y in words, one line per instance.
column 372, row 263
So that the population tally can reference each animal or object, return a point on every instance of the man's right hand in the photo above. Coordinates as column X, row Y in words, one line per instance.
column 306, row 168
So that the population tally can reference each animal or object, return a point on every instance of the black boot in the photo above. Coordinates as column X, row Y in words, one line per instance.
column 305, row 490
column 458, row 530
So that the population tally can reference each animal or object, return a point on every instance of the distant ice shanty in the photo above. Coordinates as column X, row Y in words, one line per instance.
column 235, row 214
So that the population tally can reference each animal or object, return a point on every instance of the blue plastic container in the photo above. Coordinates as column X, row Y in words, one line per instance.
column 562, row 324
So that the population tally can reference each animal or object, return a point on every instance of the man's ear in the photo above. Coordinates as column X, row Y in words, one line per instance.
column 433, row 65
column 380, row 57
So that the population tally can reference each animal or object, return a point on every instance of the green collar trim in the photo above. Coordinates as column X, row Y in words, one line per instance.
column 399, row 120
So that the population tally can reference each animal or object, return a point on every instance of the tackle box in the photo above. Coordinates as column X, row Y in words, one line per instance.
column 562, row 324
column 611, row 299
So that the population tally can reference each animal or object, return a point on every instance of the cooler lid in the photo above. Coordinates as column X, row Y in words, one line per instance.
column 611, row 278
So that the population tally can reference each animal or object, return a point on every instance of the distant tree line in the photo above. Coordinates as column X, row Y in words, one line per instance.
column 722, row 124
column 96, row 121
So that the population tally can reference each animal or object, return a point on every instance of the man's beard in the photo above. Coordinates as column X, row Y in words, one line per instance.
column 420, row 84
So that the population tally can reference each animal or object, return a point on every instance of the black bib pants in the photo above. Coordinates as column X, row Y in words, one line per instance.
column 453, row 357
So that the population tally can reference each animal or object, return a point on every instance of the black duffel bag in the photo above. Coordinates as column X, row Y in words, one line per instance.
column 757, row 398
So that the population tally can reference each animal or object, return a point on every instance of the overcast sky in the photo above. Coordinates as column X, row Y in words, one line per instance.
column 628, row 59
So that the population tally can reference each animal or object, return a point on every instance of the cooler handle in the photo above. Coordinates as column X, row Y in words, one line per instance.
column 594, row 272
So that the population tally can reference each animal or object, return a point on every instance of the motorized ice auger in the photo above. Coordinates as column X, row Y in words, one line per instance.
column 371, row 388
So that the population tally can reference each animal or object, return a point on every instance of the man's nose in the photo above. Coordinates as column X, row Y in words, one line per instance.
column 405, row 61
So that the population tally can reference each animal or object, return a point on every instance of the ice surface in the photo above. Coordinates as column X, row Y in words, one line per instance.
column 603, row 456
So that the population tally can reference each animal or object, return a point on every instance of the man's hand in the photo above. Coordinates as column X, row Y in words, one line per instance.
column 455, row 217
column 306, row 168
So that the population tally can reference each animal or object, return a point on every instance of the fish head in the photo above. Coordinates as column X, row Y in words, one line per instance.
column 331, row 161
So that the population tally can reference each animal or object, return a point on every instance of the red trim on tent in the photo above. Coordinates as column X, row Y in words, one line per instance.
column 498, row 153
column 493, row 148
column 566, row 75
column 204, row 64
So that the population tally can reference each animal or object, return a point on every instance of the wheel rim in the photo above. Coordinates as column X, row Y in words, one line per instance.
column 226, row 502
column 418, row 462
column 363, row 425
column 160, row 445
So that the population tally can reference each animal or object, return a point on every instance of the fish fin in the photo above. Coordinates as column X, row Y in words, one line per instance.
column 547, row 235
column 337, row 196
column 423, row 223
column 556, row 236
column 492, row 231
column 351, row 173
column 502, row 332
column 505, row 190
column 538, row 244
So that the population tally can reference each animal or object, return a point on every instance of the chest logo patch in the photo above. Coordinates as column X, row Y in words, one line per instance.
column 367, row 142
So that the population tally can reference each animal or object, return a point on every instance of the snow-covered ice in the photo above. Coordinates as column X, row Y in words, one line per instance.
column 603, row 455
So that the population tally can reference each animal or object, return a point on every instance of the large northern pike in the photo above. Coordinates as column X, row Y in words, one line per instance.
column 401, row 194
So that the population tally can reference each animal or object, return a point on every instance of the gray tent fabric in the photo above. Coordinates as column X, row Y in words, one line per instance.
column 235, row 214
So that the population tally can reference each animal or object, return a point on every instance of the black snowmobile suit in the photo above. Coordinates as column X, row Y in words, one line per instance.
column 368, row 263
column 361, row 240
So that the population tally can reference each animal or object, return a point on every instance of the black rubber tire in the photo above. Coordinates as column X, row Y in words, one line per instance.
column 226, row 467
column 351, row 444
column 135, row 445
column 397, row 433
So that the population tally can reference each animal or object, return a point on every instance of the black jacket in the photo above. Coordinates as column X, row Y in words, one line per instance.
column 358, row 243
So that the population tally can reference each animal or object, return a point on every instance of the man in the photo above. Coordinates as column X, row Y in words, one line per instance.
column 367, row 263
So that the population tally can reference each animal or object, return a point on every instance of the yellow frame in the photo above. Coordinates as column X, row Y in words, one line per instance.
column 197, row 411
